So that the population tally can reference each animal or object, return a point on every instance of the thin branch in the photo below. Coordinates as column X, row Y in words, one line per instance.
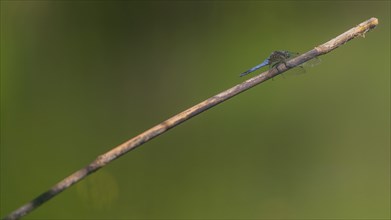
column 153, row 132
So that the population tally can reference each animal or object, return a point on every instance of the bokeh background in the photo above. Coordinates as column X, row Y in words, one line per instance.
column 78, row 78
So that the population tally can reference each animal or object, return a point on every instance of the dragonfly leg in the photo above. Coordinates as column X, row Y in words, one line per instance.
column 277, row 64
column 287, row 66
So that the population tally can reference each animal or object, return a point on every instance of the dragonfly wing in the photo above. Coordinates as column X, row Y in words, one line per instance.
column 292, row 54
column 313, row 62
column 264, row 63
column 305, row 66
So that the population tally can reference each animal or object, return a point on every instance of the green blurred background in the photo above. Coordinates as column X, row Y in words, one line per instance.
column 78, row 78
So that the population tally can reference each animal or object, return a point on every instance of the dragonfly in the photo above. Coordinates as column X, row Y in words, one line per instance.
column 275, row 58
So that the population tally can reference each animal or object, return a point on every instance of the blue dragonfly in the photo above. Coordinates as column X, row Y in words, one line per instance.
column 275, row 58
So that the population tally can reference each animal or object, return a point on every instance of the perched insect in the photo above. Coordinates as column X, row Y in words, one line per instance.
column 275, row 58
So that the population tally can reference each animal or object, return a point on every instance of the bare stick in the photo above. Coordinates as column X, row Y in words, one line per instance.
column 153, row 132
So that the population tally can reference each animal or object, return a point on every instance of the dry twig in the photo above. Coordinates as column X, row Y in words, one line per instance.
column 153, row 132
